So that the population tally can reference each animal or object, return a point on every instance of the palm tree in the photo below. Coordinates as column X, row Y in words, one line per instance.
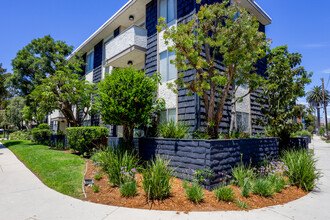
column 315, row 99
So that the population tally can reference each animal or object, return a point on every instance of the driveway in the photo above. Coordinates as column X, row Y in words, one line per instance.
column 24, row 196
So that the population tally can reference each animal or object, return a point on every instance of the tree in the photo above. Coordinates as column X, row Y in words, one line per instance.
column 126, row 98
column 285, row 83
column 42, row 57
column 67, row 92
column 14, row 111
column 219, row 34
column 315, row 99
column 5, row 92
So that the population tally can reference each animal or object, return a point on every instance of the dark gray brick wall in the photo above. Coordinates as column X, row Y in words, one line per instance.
column 217, row 155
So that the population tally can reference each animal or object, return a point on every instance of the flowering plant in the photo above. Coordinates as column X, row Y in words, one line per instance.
column 274, row 167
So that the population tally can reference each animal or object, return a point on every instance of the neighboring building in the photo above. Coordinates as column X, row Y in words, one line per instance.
column 130, row 38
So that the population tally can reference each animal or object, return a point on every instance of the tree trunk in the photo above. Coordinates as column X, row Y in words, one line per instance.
column 233, row 112
column 128, row 133
column 318, row 118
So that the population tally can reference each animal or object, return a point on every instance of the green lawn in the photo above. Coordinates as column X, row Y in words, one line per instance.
column 60, row 171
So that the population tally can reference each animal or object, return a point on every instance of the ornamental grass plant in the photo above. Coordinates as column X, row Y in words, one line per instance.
column 158, row 179
column 302, row 171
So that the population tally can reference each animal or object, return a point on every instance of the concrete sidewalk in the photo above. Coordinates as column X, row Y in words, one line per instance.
column 24, row 196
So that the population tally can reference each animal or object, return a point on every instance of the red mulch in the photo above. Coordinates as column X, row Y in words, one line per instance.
column 178, row 202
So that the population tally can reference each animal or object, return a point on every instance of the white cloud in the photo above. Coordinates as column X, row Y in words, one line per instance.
column 315, row 45
column 326, row 71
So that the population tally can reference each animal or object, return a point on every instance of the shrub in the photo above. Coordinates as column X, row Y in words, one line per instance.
column 301, row 133
column 171, row 129
column 263, row 187
column 302, row 170
column 128, row 189
column 241, row 173
column 98, row 176
column 44, row 126
column 278, row 181
column 85, row 139
column 201, row 175
column 311, row 129
column 224, row 193
column 157, row 179
column 41, row 136
column 194, row 192
column 274, row 167
column 321, row 131
column 112, row 162
column 95, row 188
column 20, row 135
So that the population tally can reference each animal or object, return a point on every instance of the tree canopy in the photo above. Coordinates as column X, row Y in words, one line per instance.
column 221, row 34
column 126, row 98
column 67, row 92
column 285, row 83
column 40, row 58
column 14, row 111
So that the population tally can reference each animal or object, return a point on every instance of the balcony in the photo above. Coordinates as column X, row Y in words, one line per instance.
column 128, row 48
column 57, row 116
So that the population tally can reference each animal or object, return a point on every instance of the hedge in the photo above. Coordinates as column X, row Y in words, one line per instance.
column 85, row 139
column 41, row 136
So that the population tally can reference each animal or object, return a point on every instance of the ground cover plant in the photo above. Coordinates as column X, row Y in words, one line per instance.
column 20, row 135
column 224, row 193
column 60, row 171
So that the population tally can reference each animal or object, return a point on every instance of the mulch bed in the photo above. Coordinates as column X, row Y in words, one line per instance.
column 178, row 202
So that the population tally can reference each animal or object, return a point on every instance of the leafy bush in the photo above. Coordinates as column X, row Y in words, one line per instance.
column 321, row 131
column 263, row 187
column 113, row 161
column 44, row 126
column 41, row 136
column 241, row 173
column 302, row 170
column 194, row 192
column 301, row 133
column 270, row 168
column 20, row 135
column 201, row 175
column 98, row 176
column 85, row 139
column 311, row 129
column 157, row 179
column 224, row 193
column 278, row 181
column 171, row 129
column 128, row 189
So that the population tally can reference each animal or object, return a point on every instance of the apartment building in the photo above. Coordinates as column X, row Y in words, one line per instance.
column 130, row 37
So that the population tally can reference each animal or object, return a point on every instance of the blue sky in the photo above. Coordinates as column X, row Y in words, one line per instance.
column 303, row 25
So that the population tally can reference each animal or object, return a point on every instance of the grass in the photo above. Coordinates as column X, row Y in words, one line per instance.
column 302, row 170
column 60, row 171
column 157, row 179
column 241, row 173
column 224, row 193
column 128, row 189
column 194, row 192
column 242, row 204
column 263, row 187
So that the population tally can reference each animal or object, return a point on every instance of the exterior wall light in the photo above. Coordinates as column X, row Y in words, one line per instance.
column 131, row 18
column 130, row 63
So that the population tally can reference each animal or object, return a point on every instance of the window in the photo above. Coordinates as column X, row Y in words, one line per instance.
column 89, row 62
column 168, row 115
column 243, row 121
column 167, row 10
column 166, row 69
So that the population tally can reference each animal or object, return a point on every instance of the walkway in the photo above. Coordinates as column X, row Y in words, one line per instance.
column 24, row 196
